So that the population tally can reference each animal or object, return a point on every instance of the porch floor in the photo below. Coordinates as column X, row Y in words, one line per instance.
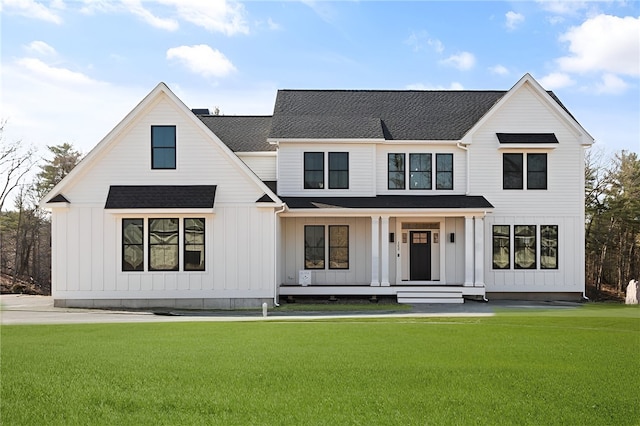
column 366, row 290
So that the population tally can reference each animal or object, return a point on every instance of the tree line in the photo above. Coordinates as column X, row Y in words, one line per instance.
column 612, row 217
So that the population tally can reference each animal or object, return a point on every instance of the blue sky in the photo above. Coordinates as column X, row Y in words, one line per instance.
column 71, row 70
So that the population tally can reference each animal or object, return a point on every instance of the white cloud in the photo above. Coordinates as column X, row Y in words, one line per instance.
column 563, row 7
column 227, row 17
column 499, row 69
column 47, row 72
column 556, row 81
column 421, row 40
column 135, row 7
column 603, row 43
column 202, row 59
column 421, row 86
column 611, row 84
column 513, row 19
column 274, row 26
column 41, row 48
column 32, row 9
column 462, row 61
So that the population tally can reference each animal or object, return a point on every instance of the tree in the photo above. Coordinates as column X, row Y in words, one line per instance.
column 16, row 161
column 65, row 158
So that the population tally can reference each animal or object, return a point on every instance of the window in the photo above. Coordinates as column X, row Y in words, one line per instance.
column 194, row 244
column 549, row 247
column 163, row 244
column 338, row 170
column 163, row 147
column 501, row 245
column 314, row 247
column 444, row 171
column 132, row 244
column 512, row 171
column 536, row 171
column 313, row 170
column 524, row 245
column 420, row 171
column 338, row 247
column 396, row 171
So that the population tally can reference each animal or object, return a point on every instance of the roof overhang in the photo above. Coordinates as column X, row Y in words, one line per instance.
column 150, row 197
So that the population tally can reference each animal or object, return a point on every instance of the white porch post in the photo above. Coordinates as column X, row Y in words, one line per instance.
column 468, row 251
column 479, row 249
column 375, row 250
column 384, row 255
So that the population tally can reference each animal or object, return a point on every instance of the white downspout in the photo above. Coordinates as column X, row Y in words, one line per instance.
column 275, row 254
column 464, row 148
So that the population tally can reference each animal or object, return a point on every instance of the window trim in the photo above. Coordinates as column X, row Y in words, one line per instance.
column 495, row 246
column 517, row 243
column 185, row 243
column 442, row 172
column 531, row 173
column 124, row 245
column 513, row 173
column 429, row 171
column 317, row 247
column 306, row 170
column 403, row 171
column 334, row 170
column 164, row 148
column 150, row 244
column 550, row 247
column 334, row 247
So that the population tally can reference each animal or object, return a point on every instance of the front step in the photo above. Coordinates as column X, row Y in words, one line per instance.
column 439, row 296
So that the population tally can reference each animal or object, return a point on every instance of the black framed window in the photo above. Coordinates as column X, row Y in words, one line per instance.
column 338, row 247
column 444, row 171
column 501, row 247
column 133, row 244
column 314, row 247
column 549, row 247
column 419, row 171
column 524, row 246
column 163, row 244
column 194, row 244
column 512, row 171
column 313, row 170
column 163, row 147
column 536, row 171
column 338, row 170
column 396, row 169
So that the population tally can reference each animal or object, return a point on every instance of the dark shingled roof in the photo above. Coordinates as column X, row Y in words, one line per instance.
column 241, row 133
column 390, row 202
column 161, row 197
column 527, row 138
column 401, row 114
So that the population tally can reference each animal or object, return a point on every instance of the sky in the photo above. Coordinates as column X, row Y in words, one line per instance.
column 72, row 70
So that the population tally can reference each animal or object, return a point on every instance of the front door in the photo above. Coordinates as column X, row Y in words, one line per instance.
column 420, row 255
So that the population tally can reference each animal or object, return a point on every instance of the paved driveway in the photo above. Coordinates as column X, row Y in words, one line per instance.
column 26, row 309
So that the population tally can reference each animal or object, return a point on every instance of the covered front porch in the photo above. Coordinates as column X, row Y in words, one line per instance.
column 418, row 249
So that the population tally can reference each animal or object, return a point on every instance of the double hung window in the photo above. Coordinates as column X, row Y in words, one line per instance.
column 444, row 171
column 396, row 171
column 420, row 171
column 313, row 170
column 338, row 170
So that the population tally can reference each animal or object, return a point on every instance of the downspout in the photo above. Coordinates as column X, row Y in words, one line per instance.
column 275, row 254
column 464, row 148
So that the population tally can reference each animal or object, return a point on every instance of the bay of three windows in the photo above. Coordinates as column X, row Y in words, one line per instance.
column 420, row 174
column 525, row 247
column 163, row 244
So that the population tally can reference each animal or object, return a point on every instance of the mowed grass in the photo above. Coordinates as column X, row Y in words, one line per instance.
column 564, row 366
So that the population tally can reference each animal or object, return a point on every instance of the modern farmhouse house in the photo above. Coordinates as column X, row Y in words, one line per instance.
column 430, row 196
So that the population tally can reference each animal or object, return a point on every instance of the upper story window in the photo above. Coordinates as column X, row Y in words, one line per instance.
column 338, row 170
column 420, row 171
column 163, row 147
column 313, row 170
column 421, row 174
column 338, row 173
column 396, row 171
column 513, row 171
column 444, row 171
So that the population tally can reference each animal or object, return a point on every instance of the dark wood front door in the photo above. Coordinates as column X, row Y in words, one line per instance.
column 420, row 256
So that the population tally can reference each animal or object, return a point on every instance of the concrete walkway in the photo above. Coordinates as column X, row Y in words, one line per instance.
column 26, row 309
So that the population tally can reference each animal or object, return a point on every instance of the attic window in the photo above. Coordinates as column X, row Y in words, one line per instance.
column 163, row 147
column 527, row 138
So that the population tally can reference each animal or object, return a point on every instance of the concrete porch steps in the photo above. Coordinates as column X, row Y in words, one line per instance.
column 436, row 296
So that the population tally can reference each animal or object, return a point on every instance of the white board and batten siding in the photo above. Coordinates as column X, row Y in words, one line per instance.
column 291, row 169
column 239, row 235
column 562, row 203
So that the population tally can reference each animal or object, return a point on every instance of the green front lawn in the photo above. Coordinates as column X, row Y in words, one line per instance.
column 561, row 366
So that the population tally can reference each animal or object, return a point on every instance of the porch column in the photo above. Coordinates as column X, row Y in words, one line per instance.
column 375, row 250
column 468, row 251
column 384, row 255
column 479, row 249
